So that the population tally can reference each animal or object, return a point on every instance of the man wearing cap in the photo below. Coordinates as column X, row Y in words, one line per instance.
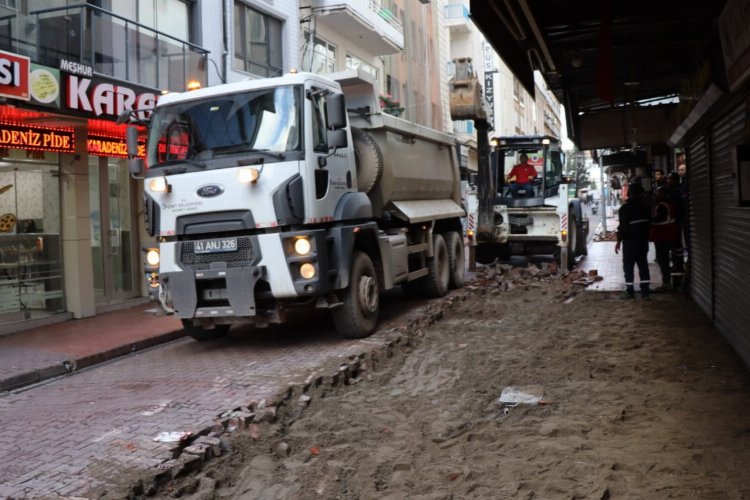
column 632, row 237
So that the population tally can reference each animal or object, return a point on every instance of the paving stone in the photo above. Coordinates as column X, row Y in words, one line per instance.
column 98, row 421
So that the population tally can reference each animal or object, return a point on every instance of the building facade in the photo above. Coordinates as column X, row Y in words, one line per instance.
column 70, row 232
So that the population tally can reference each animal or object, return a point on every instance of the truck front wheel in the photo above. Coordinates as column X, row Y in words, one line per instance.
column 358, row 315
column 203, row 334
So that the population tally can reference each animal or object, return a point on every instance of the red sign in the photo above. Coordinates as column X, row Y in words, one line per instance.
column 37, row 138
column 114, row 147
column 14, row 76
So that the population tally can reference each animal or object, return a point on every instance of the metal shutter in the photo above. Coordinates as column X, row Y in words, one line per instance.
column 699, row 215
column 731, row 230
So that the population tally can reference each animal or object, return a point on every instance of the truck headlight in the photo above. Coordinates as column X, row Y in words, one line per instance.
column 152, row 257
column 302, row 246
column 307, row 271
column 159, row 185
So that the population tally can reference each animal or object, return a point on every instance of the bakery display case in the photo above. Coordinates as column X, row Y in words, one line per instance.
column 30, row 274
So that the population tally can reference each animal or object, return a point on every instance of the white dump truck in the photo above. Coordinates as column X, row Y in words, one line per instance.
column 294, row 192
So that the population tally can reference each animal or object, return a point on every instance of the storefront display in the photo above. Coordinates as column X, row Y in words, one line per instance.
column 30, row 247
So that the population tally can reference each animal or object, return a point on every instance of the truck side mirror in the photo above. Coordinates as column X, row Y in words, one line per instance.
column 336, row 111
column 337, row 139
column 135, row 166
column 131, row 137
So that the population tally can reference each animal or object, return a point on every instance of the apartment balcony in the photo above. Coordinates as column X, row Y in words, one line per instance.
column 365, row 22
column 112, row 45
column 457, row 19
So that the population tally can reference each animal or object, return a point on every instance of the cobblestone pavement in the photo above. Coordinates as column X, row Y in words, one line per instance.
column 69, row 435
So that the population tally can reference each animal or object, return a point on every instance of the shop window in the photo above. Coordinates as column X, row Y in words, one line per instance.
column 257, row 42
column 30, row 248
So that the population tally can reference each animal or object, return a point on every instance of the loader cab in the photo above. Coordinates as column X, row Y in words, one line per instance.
column 540, row 152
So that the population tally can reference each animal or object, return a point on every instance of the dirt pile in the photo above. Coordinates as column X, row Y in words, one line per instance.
column 633, row 399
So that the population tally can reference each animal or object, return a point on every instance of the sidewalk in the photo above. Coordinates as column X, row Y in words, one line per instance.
column 30, row 356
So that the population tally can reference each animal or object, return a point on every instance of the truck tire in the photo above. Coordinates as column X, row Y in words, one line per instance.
column 582, row 238
column 436, row 282
column 456, row 261
column 203, row 334
column 358, row 315
column 369, row 160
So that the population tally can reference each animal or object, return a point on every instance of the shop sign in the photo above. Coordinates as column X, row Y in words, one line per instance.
column 115, row 147
column 104, row 98
column 14, row 76
column 37, row 138
column 76, row 68
column 44, row 86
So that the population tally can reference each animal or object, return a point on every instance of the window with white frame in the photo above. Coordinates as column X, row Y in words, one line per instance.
column 354, row 62
column 257, row 42
column 318, row 55
column 11, row 4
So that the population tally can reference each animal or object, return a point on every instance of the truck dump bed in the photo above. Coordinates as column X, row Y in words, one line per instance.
column 419, row 176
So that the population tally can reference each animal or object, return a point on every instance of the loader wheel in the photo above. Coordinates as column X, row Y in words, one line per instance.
column 436, row 282
column 456, row 262
column 572, row 241
column 202, row 334
column 358, row 315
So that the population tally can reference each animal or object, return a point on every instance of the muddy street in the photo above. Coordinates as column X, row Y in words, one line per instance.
column 639, row 399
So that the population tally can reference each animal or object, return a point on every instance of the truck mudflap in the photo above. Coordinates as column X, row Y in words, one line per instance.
column 212, row 293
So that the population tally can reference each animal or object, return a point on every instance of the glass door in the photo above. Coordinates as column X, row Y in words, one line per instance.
column 30, row 257
column 112, row 230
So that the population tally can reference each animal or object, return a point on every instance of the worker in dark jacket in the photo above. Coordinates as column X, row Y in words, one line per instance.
column 632, row 236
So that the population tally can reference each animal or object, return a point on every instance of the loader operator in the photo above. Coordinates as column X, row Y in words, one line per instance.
column 522, row 177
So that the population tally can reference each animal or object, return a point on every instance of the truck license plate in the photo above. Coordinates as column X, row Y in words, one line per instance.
column 216, row 245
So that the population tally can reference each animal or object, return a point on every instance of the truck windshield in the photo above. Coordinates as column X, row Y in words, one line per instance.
column 266, row 120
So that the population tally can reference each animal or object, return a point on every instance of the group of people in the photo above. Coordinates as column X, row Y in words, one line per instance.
column 662, row 221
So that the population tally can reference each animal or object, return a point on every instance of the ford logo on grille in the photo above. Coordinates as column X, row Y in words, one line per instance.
column 210, row 190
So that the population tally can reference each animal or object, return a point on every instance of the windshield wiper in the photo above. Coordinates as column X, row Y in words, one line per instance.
column 181, row 169
column 242, row 148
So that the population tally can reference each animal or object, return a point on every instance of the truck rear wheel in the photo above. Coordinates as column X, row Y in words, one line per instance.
column 456, row 261
column 437, row 279
column 358, row 315
column 202, row 334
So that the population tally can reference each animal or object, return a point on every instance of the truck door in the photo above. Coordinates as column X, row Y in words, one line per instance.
column 330, row 172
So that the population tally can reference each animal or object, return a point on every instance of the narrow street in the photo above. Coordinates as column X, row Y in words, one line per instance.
column 638, row 400
column 634, row 399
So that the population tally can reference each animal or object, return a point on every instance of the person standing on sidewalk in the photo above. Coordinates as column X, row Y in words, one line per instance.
column 632, row 237
column 665, row 233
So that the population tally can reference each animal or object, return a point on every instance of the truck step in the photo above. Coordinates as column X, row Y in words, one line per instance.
column 418, row 274
column 420, row 247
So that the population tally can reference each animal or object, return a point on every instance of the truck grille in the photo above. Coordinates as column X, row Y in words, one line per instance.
column 243, row 257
